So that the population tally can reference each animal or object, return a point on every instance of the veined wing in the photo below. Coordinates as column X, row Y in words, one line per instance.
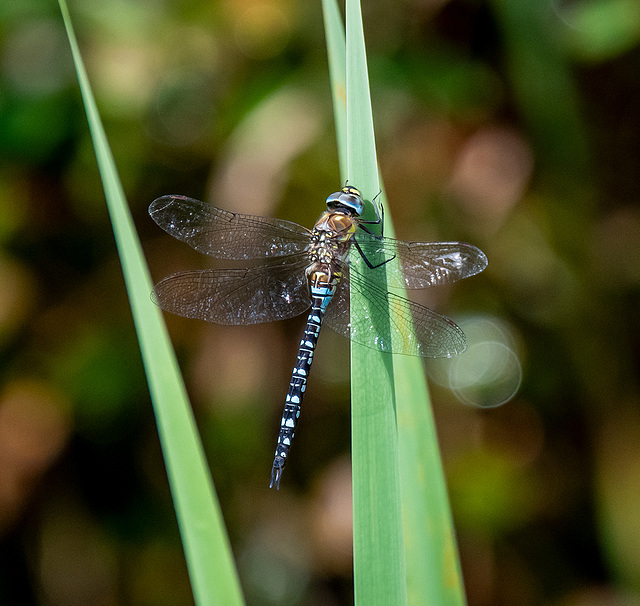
column 401, row 327
column 420, row 264
column 266, row 293
column 224, row 234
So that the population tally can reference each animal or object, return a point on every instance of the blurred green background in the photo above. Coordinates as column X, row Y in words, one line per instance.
column 512, row 124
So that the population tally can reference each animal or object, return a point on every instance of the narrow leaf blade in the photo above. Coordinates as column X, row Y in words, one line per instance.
column 208, row 554
column 379, row 567
column 432, row 562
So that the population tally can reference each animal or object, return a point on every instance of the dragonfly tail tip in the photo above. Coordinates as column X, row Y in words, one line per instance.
column 276, row 474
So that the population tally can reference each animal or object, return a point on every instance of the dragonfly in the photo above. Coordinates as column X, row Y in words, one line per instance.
column 290, row 269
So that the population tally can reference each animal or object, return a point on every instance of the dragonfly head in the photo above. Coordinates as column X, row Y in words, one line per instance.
column 348, row 200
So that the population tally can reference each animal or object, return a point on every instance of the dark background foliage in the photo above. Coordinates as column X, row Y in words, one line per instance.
column 513, row 124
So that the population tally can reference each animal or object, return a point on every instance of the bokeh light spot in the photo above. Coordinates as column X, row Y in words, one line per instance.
column 489, row 372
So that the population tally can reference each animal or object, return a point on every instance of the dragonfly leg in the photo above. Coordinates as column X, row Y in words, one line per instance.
column 367, row 261
column 378, row 221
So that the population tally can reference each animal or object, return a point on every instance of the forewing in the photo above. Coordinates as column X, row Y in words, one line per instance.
column 420, row 264
column 402, row 326
column 237, row 296
column 224, row 234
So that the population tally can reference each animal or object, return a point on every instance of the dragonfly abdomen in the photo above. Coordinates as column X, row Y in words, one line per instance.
column 322, row 289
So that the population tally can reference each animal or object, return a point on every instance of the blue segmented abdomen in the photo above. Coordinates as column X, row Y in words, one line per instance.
column 321, row 295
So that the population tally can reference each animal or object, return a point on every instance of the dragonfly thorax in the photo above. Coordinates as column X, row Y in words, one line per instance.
column 329, row 237
column 336, row 225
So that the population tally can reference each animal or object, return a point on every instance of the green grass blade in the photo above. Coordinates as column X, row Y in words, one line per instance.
column 379, row 567
column 208, row 554
column 433, row 567
column 336, row 51
column 432, row 563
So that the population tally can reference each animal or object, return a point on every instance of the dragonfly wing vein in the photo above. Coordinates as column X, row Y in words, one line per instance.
column 226, row 235
column 237, row 296
column 421, row 264
column 401, row 326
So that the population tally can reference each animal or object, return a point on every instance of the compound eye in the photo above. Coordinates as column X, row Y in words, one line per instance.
column 346, row 200
column 333, row 199
column 353, row 203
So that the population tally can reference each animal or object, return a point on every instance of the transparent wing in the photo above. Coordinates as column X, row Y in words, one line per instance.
column 420, row 264
column 237, row 296
column 401, row 327
column 224, row 234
